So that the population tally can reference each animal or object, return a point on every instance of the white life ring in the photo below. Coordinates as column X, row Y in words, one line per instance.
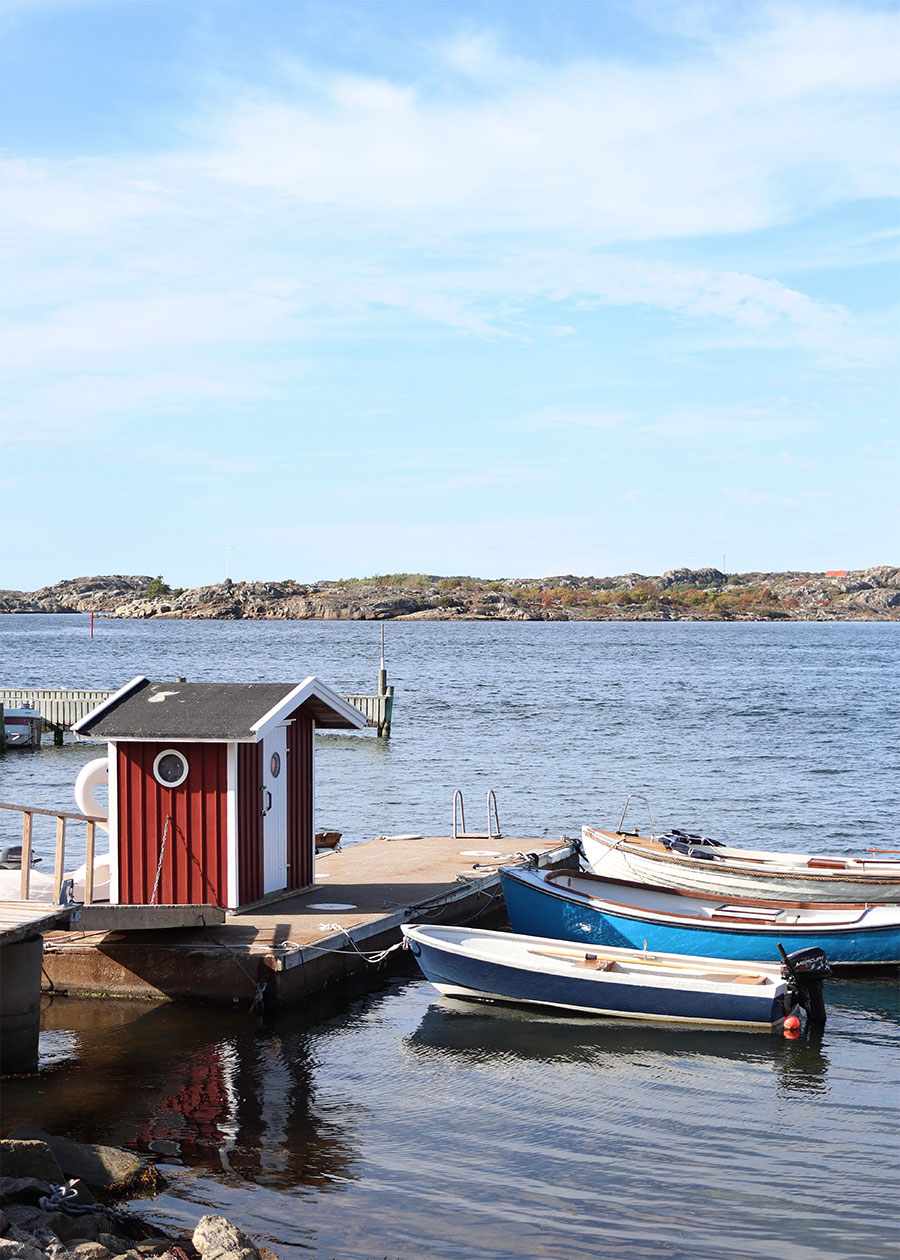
column 90, row 777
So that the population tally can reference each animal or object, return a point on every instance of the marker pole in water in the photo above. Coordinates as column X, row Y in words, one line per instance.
column 92, row 625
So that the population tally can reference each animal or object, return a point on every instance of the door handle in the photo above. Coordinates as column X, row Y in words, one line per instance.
column 266, row 807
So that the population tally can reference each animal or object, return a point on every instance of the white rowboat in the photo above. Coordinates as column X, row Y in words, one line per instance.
column 696, row 864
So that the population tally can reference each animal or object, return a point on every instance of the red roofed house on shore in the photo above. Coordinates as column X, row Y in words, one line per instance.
column 837, row 572
column 211, row 788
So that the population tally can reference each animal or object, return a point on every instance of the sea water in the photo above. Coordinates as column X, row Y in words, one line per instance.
column 403, row 1125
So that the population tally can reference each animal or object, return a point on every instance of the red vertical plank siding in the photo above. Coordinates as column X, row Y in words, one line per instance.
column 194, row 862
column 250, row 823
column 300, row 840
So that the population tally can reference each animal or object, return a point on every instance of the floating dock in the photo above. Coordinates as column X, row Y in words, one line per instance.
column 287, row 950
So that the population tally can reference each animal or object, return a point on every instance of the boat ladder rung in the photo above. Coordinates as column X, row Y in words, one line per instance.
column 459, row 819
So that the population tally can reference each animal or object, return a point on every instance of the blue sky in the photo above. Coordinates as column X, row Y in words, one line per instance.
column 505, row 289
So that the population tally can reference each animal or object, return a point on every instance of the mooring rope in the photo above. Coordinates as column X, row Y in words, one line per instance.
column 162, row 853
column 374, row 958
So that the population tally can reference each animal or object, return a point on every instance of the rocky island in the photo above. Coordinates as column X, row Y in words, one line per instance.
column 680, row 594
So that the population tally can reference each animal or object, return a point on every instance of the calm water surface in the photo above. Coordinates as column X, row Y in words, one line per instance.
column 409, row 1126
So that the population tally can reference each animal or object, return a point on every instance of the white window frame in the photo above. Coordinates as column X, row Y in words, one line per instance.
column 170, row 752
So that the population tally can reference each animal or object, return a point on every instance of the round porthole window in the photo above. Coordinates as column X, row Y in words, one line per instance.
column 170, row 769
column 275, row 765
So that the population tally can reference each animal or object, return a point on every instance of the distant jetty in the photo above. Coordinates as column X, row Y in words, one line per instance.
column 678, row 595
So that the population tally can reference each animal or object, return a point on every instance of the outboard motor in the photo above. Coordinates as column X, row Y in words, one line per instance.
column 806, row 969
column 11, row 858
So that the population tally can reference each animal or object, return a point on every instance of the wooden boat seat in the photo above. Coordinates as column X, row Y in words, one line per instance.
column 724, row 977
column 745, row 914
column 827, row 864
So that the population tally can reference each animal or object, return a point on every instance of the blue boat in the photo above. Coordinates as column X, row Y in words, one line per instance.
column 579, row 906
column 485, row 966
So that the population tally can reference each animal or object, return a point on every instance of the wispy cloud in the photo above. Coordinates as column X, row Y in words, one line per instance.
column 554, row 215
column 573, row 418
column 755, row 421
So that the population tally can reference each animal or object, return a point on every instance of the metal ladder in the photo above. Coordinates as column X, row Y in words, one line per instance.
column 632, row 796
column 459, row 819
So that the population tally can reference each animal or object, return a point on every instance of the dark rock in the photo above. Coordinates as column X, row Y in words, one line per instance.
column 23, row 1190
column 85, row 1227
column 29, row 1154
column 20, row 1249
column 25, row 1216
column 101, row 1166
column 116, row 1245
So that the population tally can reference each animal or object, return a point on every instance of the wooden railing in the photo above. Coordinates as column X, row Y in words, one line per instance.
column 60, row 708
column 376, row 709
column 28, row 812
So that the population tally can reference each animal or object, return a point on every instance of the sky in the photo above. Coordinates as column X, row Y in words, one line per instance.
column 322, row 290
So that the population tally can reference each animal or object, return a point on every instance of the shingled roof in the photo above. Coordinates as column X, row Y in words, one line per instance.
column 144, row 710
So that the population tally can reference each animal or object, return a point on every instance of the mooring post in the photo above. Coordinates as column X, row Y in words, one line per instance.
column 387, row 695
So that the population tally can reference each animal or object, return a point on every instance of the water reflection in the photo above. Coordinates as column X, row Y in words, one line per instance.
column 210, row 1089
column 803, row 1063
column 468, row 1031
column 450, row 1029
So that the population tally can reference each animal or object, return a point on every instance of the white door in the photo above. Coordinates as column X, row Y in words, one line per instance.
column 274, row 808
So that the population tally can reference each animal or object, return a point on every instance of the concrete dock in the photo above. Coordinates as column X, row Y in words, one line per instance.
column 287, row 950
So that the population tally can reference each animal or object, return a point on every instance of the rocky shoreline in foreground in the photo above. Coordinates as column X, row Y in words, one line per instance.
column 58, row 1201
column 679, row 595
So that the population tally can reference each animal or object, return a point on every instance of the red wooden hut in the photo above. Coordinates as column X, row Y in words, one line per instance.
column 211, row 788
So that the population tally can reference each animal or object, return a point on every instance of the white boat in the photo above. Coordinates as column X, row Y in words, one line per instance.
column 698, row 864
column 23, row 727
column 42, row 886
column 475, row 963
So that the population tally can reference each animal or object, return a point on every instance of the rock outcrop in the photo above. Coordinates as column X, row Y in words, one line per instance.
column 680, row 594
column 57, row 1203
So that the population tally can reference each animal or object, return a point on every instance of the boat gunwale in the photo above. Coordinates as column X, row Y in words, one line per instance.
column 864, row 872
column 721, row 924
column 706, row 895
column 687, row 977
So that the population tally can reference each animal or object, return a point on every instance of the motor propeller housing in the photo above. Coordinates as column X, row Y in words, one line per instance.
column 806, row 970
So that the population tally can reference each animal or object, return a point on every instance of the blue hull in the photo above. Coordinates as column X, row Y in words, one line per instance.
column 537, row 909
column 481, row 978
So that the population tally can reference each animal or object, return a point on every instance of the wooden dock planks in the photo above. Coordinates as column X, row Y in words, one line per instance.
column 21, row 920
